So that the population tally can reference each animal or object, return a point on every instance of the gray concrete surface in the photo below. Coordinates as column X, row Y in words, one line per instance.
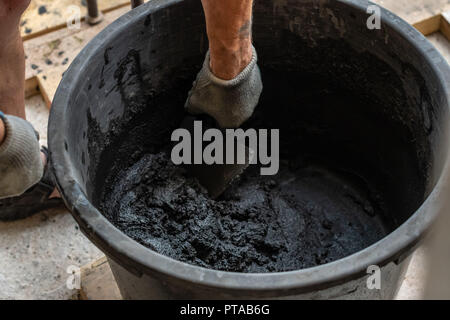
column 36, row 252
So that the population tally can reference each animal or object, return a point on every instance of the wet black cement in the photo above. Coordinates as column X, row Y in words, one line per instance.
column 312, row 212
column 301, row 217
column 349, row 173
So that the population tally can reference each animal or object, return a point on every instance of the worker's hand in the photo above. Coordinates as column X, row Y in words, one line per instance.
column 229, row 102
column 20, row 159
column 10, row 13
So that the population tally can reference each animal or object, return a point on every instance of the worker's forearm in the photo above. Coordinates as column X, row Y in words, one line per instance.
column 2, row 131
column 12, row 79
column 229, row 25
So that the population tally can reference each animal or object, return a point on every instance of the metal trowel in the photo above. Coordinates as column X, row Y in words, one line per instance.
column 215, row 178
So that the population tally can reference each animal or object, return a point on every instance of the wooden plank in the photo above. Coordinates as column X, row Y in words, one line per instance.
column 427, row 16
column 37, row 114
column 445, row 24
column 415, row 11
column 31, row 87
column 413, row 284
column 48, row 56
column 97, row 282
column 43, row 16
column 429, row 26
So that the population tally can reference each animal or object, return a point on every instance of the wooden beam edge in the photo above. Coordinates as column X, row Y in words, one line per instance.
column 445, row 24
column 31, row 87
column 97, row 282
column 44, row 93
column 429, row 26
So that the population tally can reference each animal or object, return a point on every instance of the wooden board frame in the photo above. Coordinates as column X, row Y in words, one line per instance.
column 437, row 23
column 104, row 8
column 445, row 24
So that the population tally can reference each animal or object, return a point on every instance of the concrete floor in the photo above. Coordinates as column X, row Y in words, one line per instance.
column 36, row 252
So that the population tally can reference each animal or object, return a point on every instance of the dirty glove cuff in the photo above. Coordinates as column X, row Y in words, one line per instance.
column 229, row 102
column 20, row 159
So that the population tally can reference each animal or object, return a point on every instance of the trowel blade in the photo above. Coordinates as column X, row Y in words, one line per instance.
column 215, row 178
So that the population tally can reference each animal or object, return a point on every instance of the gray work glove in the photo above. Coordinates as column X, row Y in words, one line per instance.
column 229, row 102
column 21, row 165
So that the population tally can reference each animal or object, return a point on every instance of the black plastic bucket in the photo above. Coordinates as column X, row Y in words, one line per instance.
column 403, row 79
